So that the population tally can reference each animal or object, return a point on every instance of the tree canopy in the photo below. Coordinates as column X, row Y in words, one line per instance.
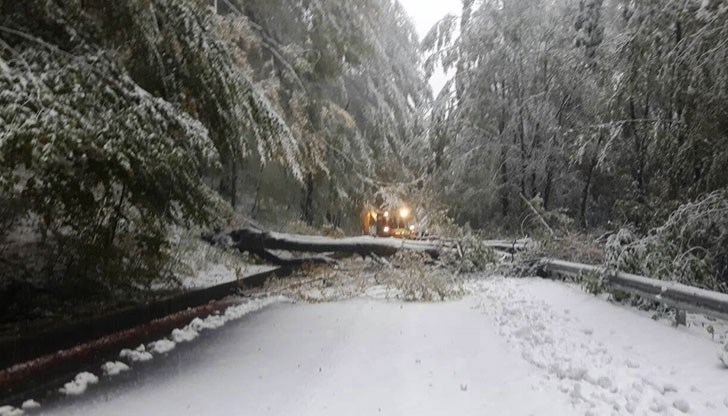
column 120, row 119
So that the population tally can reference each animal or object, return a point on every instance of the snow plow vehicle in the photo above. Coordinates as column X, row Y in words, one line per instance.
column 384, row 223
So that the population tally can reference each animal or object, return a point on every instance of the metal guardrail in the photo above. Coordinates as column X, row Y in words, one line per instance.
column 673, row 294
column 510, row 246
column 22, row 347
column 34, row 361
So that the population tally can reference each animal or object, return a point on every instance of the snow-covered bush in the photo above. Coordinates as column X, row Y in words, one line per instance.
column 538, row 218
column 417, row 281
column 623, row 251
column 100, row 148
column 470, row 254
column 574, row 246
column 690, row 247
column 594, row 282
column 466, row 251
column 189, row 256
column 112, row 119
column 103, row 165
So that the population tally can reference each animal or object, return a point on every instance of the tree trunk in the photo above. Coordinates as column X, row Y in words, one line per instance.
column 505, row 203
column 256, row 202
column 587, row 184
column 234, row 183
column 253, row 240
column 229, row 180
column 640, row 150
column 547, row 188
column 585, row 193
column 116, row 219
column 522, row 144
column 307, row 203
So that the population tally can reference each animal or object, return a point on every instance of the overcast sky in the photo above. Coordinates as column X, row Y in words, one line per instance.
column 426, row 13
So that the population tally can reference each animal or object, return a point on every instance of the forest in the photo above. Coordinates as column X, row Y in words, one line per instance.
column 124, row 124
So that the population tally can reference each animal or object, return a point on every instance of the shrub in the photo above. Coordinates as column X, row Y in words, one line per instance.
column 691, row 247
column 99, row 165
column 417, row 281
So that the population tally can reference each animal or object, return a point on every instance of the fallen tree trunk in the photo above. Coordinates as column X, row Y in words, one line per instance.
column 292, row 261
column 258, row 242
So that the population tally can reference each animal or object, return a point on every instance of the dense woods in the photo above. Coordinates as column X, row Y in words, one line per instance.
column 613, row 110
column 600, row 114
column 119, row 120
column 122, row 120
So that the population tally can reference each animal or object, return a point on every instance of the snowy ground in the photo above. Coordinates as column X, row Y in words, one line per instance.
column 513, row 346
column 216, row 274
column 607, row 359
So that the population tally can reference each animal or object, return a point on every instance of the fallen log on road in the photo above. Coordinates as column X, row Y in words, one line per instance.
column 285, row 259
column 509, row 246
column 256, row 241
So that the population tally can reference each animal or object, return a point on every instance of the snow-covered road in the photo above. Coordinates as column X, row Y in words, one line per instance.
column 512, row 347
column 607, row 359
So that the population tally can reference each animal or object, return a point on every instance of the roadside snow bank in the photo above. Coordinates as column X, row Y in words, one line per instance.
column 197, row 325
column 211, row 322
column 30, row 404
column 113, row 368
column 79, row 384
column 162, row 346
column 10, row 411
column 136, row 355
column 185, row 334
column 192, row 330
